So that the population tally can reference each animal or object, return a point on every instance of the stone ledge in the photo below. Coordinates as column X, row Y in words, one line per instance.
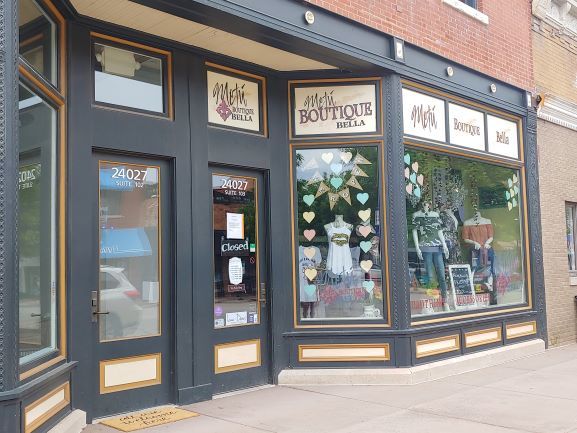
column 411, row 375
column 73, row 423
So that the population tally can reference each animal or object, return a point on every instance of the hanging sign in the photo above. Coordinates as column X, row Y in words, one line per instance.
column 235, row 100
column 423, row 116
column 335, row 109
column 466, row 127
column 503, row 137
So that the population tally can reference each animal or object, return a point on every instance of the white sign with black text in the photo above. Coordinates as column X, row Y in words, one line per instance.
column 503, row 139
column 233, row 102
column 466, row 127
column 344, row 109
column 423, row 116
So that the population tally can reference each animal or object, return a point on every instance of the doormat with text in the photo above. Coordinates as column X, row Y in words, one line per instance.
column 148, row 418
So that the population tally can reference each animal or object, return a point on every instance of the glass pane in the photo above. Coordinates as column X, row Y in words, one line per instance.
column 570, row 226
column 129, row 250
column 37, row 225
column 236, row 278
column 129, row 79
column 339, row 233
column 38, row 39
column 465, row 240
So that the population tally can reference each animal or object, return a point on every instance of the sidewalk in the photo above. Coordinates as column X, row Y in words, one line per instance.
column 533, row 394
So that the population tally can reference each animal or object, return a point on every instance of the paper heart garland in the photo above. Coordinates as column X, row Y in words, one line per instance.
column 407, row 172
column 346, row 157
column 362, row 197
column 515, row 179
column 310, row 234
column 366, row 265
column 409, row 188
column 407, row 159
column 337, row 168
column 509, row 205
column 420, row 179
column 311, row 273
column 415, row 166
column 308, row 199
column 327, row 157
column 417, row 192
column 310, row 289
column 365, row 214
column 308, row 216
column 413, row 177
column 364, row 230
column 336, row 182
column 309, row 252
column 369, row 286
column 365, row 245
column 508, row 195
column 510, row 182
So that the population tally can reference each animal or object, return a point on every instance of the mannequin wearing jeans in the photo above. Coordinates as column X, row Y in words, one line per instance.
column 431, row 246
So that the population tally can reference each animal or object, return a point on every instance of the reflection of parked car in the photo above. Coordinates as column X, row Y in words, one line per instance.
column 118, row 297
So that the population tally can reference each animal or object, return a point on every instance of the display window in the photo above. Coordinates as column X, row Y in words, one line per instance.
column 465, row 232
column 338, row 233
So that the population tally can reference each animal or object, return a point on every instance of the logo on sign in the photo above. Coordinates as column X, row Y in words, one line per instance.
column 502, row 137
column 231, row 102
column 424, row 116
column 467, row 128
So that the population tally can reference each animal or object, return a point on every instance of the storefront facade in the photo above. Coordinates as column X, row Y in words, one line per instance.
column 209, row 201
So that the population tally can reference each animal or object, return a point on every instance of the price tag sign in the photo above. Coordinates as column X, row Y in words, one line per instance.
column 462, row 286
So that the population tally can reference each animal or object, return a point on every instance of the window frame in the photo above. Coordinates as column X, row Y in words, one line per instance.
column 164, row 56
column 470, row 3
column 55, row 96
column 573, row 207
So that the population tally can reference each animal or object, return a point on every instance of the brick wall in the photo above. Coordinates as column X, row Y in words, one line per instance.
column 557, row 185
column 501, row 49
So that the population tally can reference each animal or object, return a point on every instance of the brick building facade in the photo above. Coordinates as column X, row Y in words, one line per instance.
column 554, row 29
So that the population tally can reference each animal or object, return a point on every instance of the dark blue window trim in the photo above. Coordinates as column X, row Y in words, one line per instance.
column 472, row 3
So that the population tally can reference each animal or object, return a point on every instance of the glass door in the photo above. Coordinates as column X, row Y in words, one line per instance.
column 241, row 309
column 131, row 305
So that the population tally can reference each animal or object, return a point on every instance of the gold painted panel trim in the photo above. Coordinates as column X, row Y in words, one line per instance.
column 378, row 99
column 454, row 347
column 236, row 367
column 28, row 428
column 263, row 101
column 169, row 79
column 33, row 371
column 385, row 245
column 140, row 384
column 482, row 342
column 385, row 357
column 512, row 326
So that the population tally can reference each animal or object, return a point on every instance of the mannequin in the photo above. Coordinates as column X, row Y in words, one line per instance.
column 431, row 246
column 450, row 231
column 478, row 232
column 339, row 260
column 307, row 298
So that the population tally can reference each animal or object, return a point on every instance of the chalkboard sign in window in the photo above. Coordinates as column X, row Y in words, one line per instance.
column 462, row 286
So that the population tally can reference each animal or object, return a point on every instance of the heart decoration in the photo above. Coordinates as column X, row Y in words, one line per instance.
column 346, row 157
column 514, row 202
column 413, row 177
column 511, row 192
column 509, row 205
column 310, row 234
column 508, row 195
column 308, row 199
column 327, row 157
column 515, row 179
column 310, row 289
column 308, row 216
column 309, row 252
column 311, row 273
column 420, row 179
column 407, row 172
column 510, row 182
column 516, row 188
column 417, row 192
column 364, row 230
column 365, row 214
column 365, row 245
column 369, row 286
column 407, row 159
column 409, row 188
column 337, row 168
column 336, row 182
column 366, row 265
column 362, row 197
column 415, row 166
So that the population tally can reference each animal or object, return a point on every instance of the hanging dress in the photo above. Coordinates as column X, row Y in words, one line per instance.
column 339, row 259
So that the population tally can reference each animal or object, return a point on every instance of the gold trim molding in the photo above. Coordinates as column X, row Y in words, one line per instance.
column 386, row 356
column 421, row 351
column 65, row 402
column 240, row 366
column 157, row 380
column 490, row 338
column 511, row 327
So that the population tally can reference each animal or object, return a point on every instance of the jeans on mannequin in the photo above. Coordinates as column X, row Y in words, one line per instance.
column 434, row 262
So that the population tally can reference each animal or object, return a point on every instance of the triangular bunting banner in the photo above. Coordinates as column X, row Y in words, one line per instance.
column 316, row 178
column 346, row 194
column 354, row 183
column 357, row 171
column 322, row 189
column 311, row 164
column 360, row 159
column 333, row 199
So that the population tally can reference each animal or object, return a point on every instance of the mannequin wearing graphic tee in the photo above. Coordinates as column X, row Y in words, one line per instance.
column 478, row 232
column 339, row 260
column 430, row 245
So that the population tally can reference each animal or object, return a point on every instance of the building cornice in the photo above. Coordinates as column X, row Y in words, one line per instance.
column 556, row 110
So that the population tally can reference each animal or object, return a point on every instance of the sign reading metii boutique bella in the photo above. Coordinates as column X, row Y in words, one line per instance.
column 503, row 137
column 335, row 108
column 235, row 99
column 423, row 116
column 466, row 127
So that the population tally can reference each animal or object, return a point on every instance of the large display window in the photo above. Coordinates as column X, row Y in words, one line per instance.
column 338, row 254
column 465, row 234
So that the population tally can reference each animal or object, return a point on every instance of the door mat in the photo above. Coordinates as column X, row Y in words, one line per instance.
column 148, row 418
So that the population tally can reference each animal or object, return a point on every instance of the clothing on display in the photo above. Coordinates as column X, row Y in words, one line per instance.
column 450, row 226
column 339, row 260
column 428, row 226
column 304, row 264
column 434, row 264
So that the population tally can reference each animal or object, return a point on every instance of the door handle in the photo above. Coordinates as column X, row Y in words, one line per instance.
column 95, row 304
column 262, row 295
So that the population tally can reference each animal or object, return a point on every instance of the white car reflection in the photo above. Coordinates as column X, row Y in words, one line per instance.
column 120, row 299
